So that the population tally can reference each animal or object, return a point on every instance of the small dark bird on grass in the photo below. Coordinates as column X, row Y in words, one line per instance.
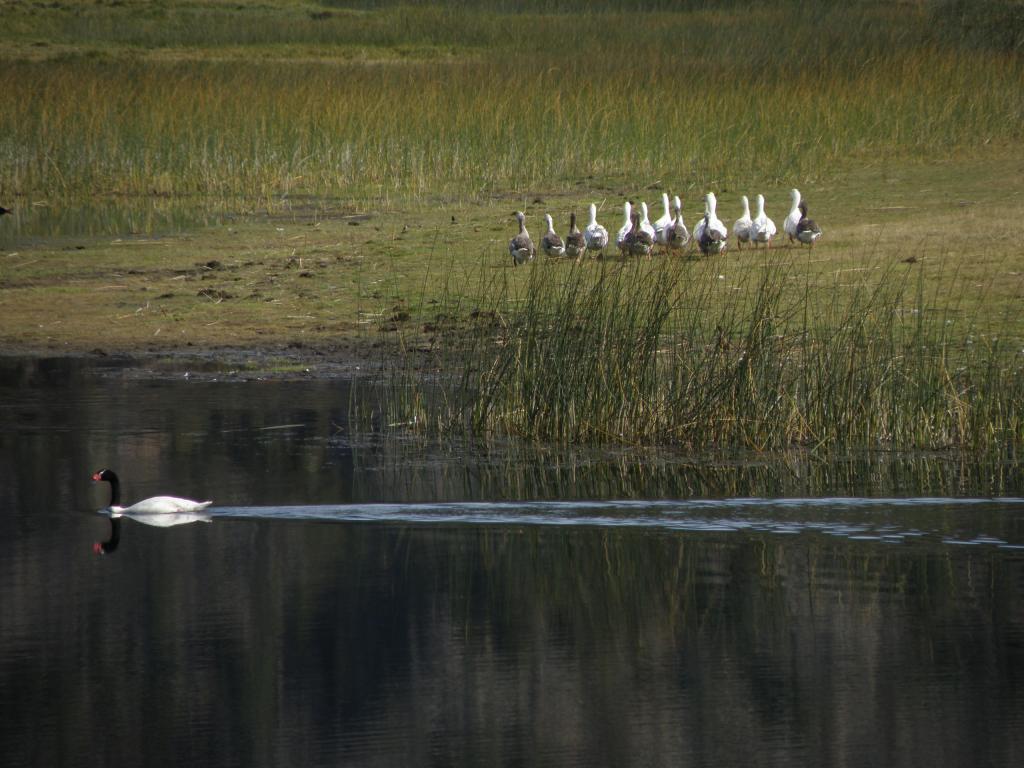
column 5, row 210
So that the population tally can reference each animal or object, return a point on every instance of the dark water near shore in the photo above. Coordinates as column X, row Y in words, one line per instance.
column 359, row 601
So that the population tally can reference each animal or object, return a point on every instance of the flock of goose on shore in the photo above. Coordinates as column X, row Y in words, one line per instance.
column 639, row 237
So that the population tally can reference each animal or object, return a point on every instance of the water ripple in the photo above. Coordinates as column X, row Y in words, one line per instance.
column 864, row 519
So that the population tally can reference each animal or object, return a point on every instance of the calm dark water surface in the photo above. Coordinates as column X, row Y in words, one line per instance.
column 391, row 603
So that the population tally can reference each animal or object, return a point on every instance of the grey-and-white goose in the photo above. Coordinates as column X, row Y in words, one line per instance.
column 575, row 242
column 638, row 241
column 521, row 246
column 807, row 230
column 551, row 243
column 677, row 236
column 711, row 234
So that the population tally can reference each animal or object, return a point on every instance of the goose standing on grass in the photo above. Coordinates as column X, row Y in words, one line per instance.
column 645, row 223
column 676, row 234
column 157, row 505
column 741, row 228
column 551, row 243
column 789, row 225
column 762, row 229
column 638, row 241
column 663, row 221
column 575, row 243
column 807, row 230
column 595, row 235
column 711, row 234
column 521, row 246
column 627, row 209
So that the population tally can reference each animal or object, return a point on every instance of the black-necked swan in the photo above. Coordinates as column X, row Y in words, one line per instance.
column 596, row 235
column 521, row 246
column 156, row 505
column 575, row 242
column 741, row 227
column 807, row 230
column 762, row 229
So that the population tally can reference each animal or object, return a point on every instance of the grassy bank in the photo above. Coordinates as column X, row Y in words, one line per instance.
column 355, row 168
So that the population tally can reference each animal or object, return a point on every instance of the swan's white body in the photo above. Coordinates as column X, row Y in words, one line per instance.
column 664, row 222
column 595, row 235
column 160, row 505
column 762, row 229
column 627, row 208
column 742, row 225
column 789, row 225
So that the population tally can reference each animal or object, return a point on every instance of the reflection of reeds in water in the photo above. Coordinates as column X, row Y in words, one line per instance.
column 424, row 101
column 403, row 467
column 643, row 353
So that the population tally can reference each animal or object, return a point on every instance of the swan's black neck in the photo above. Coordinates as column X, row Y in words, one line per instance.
column 115, row 485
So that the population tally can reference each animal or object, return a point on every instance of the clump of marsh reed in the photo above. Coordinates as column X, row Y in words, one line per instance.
column 657, row 353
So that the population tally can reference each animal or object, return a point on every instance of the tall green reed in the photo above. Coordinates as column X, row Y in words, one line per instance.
column 661, row 353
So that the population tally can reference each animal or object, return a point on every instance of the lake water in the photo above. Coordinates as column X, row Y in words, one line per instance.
column 392, row 602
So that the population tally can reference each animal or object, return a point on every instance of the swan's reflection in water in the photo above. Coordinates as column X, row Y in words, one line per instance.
column 157, row 520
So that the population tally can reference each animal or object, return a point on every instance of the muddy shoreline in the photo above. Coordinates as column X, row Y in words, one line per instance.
column 258, row 362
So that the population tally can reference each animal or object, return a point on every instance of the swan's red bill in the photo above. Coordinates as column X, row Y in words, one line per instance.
column 97, row 548
column 96, row 476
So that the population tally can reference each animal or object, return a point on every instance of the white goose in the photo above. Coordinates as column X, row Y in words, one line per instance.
column 789, row 225
column 595, row 235
column 710, row 233
column 663, row 222
column 156, row 505
column 627, row 209
column 741, row 228
column 762, row 229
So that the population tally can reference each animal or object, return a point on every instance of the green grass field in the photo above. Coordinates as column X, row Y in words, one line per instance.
column 366, row 160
